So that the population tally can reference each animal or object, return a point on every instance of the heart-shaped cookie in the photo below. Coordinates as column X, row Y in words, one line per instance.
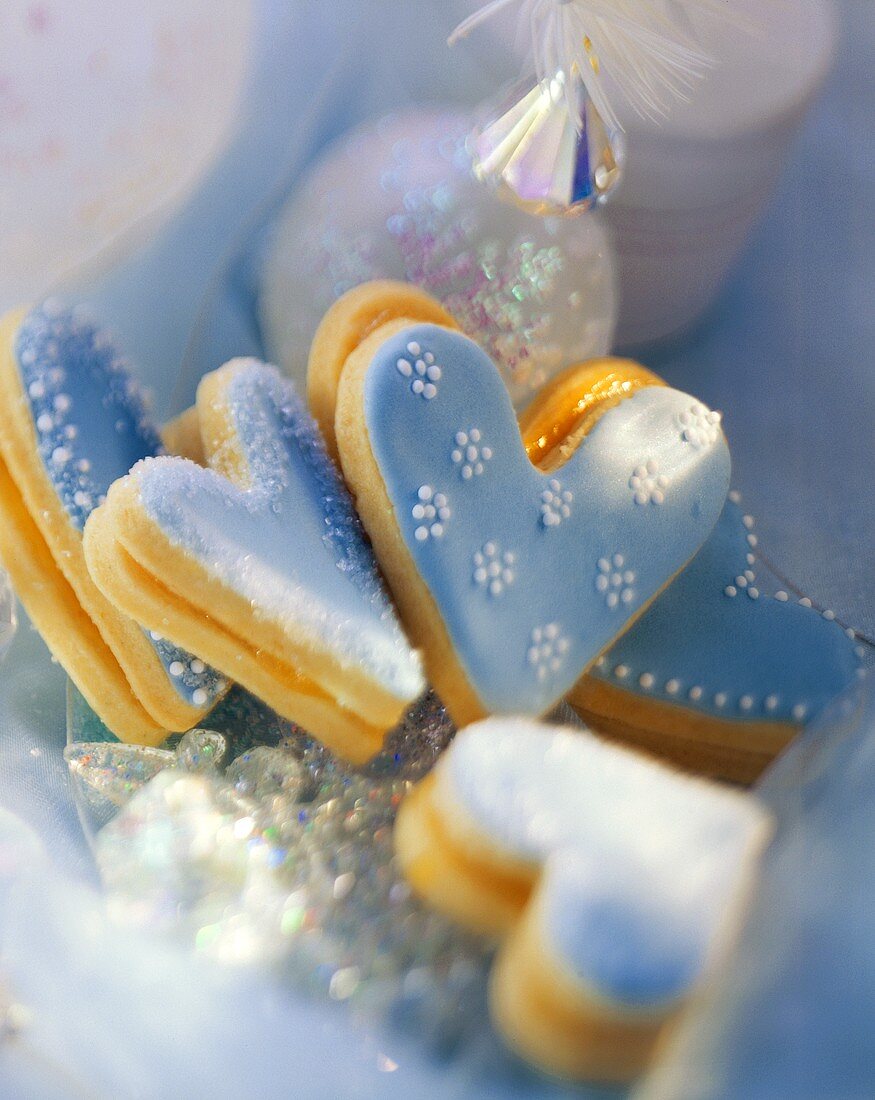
column 611, row 879
column 514, row 578
column 74, row 420
column 261, row 561
column 717, row 674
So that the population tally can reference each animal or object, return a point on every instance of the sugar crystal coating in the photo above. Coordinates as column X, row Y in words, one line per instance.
column 92, row 424
column 291, row 542
column 642, row 864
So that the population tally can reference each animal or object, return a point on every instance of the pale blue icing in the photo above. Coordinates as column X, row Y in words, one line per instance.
column 715, row 642
column 292, row 543
column 91, row 427
column 642, row 865
column 534, row 574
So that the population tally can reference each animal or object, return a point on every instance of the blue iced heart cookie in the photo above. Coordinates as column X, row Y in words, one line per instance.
column 261, row 564
column 719, row 674
column 75, row 422
column 610, row 878
column 511, row 579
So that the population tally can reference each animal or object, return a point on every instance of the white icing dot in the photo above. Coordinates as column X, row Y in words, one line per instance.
column 647, row 680
column 45, row 423
column 730, row 590
column 155, row 636
column 754, row 593
column 696, row 694
column 62, row 403
column 469, row 455
column 829, row 615
column 782, row 596
column 799, row 712
column 621, row 672
column 771, row 702
column 405, row 367
column 735, row 496
column 613, row 582
column 176, row 668
column 648, row 485
column 430, row 513
column 746, row 702
column 555, row 504
column 197, row 666
column 751, row 540
column 741, row 581
column 37, row 389
column 673, row 687
column 60, row 456
column 199, row 697
column 720, row 699
column 700, row 427
column 805, row 601
column 414, row 348
column 748, row 522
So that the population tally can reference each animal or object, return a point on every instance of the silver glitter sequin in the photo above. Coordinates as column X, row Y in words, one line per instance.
column 287, row 858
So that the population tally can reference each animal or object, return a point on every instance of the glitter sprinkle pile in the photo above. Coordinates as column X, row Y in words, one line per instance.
column 286, row 858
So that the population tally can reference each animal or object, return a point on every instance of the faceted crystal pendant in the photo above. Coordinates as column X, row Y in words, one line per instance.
column 542, row 155
column 8, row 614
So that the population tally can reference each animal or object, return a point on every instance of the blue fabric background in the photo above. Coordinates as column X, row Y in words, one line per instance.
column 785, row 353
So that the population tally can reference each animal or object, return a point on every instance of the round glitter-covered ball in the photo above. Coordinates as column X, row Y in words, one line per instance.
column 397, row 199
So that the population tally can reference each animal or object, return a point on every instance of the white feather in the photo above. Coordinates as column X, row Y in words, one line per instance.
column 647, row 48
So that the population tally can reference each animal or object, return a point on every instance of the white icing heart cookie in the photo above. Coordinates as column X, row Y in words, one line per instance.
column 612, row 881
column 73, row 421
column 260, row 563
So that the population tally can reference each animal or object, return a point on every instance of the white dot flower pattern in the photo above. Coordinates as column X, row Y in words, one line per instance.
column 699, row 425
column 648, row 485
column 469, row 454
column 555, row 504
column 494, row 568
column 431, row 512
column 547, row 650
column 615, row 581
column 422, row 370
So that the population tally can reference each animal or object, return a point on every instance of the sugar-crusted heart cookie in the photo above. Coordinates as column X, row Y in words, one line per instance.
column 612, row 881
column 514, row 578
column 260, row 564
column 719, row 675
column 73, row 422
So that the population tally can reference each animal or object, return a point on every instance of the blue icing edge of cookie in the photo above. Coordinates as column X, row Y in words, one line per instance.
column 91, row 427
column 641, row 864
column 534, row 574
column 717, row 644
column 292, row 542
